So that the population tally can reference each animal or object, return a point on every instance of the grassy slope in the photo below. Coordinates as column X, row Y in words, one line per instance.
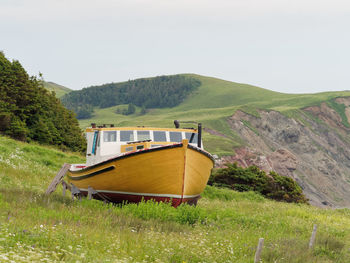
column 224, row 227
column 58, row 89
column 213, row 102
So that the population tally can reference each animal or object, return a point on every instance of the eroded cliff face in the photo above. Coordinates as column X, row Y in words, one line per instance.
column 314, row 149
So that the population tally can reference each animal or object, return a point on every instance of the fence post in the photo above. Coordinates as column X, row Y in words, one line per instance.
column 258, row 250
column 313, row 236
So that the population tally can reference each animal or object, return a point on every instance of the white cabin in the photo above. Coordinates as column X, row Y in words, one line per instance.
column 105, row 143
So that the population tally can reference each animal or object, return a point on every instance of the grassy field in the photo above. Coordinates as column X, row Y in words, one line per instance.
column 58, row 89
column 212, row 103
column 224, row 227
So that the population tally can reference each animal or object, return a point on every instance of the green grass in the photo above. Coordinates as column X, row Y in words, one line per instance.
column 247, row 123
column 212, row 104
column 219, row 145
column 340, row 109
column 58, row 89
column 224, row 227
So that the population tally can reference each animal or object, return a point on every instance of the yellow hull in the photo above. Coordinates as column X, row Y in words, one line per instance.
column 177, row 172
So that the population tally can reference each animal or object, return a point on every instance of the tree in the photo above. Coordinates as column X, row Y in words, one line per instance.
column 158, row 92
column 29, row 112
column 143, row 110
column 131, row 109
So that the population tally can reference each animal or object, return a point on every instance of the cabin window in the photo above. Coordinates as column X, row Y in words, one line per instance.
column 126, row 136
column 129, row 149
column 94, row 142
column 109, row 136
column 139, row 147
column 189, row 136
column 159, row 136
column 175, row 136
column 143, row 135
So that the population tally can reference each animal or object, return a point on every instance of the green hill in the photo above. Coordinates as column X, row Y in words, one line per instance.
column 212, row 103
column 157, row 92
column 58, row 89
column 224, row 227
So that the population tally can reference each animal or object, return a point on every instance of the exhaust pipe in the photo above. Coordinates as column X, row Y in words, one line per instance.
column 199, row 140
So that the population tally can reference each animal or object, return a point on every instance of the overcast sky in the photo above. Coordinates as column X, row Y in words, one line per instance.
column 293, row 46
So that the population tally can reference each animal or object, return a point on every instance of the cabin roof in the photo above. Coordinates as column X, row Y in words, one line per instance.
column 141, row 129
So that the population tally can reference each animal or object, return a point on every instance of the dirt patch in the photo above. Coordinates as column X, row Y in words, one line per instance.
column 326, row 114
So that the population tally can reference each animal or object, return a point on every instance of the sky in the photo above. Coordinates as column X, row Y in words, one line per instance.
column 290, row 46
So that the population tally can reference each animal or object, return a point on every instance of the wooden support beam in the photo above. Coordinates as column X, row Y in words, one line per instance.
column 64, row 187
column 67, row 185
column 75, row 192
column 58, row 178
column 91, row 191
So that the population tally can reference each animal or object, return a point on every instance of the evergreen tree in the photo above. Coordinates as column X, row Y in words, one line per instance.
column 158, row 92
column 29, row 112
column 131, row 109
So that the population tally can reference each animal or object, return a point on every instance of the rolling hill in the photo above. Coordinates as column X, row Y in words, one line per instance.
column 214, row 99
column 58, row 89
column 304, row 136
column 212, row 103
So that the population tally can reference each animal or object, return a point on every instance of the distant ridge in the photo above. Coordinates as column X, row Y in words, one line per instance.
column 214, row 99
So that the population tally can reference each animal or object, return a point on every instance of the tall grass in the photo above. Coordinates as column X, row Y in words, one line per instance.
column 224, row 227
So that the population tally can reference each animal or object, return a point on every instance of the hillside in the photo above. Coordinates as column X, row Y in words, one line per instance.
column 304, row 136
column 224, row 227
column 157, row 92
column 58, row 89
column 213, row 100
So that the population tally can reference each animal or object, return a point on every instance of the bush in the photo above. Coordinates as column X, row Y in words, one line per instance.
column 17, row 129
column 5, row 121
column 272, row 186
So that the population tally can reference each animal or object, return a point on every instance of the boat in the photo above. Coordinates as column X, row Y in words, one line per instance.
column 131, row 164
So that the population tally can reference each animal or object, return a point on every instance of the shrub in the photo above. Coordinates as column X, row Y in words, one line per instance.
column 272, row 186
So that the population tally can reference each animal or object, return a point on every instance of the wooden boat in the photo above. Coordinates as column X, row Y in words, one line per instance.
column 130, row 164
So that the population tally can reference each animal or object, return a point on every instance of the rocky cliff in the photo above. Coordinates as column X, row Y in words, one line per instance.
column 313, row 147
